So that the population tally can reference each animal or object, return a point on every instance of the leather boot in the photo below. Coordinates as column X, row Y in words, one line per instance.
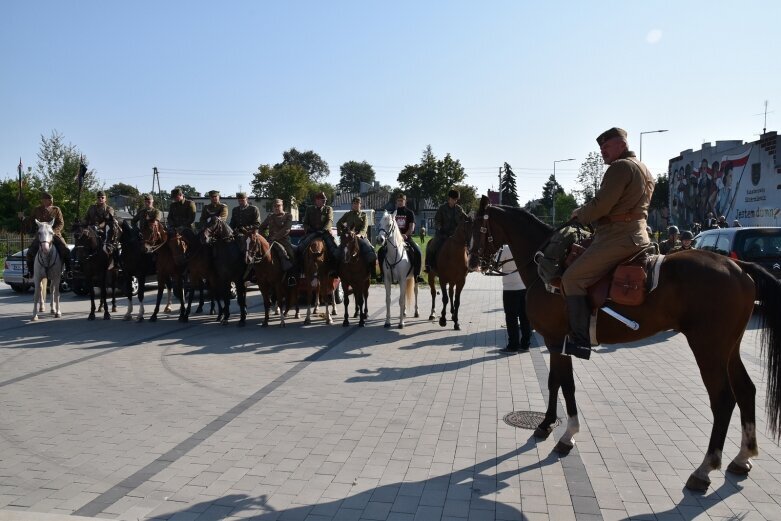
column 578, row 342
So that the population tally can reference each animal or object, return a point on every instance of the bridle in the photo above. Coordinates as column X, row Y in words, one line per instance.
column 351, row 248
column 51, row 256
column 387, row 234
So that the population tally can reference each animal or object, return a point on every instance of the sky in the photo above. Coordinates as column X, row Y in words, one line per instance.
column 208, row 91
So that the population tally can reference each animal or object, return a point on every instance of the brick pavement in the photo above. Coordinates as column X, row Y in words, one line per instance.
column 164, row 421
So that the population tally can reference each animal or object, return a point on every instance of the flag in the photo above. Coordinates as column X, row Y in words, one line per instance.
column 19, row 195
column 81, row 173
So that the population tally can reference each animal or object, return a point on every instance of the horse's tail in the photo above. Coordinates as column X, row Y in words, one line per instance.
column 409, row 291
column 769, row 296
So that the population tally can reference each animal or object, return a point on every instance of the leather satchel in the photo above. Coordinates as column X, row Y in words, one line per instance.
column 628, row 287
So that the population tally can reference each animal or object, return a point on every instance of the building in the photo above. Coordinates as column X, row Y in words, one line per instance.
column 741, row 181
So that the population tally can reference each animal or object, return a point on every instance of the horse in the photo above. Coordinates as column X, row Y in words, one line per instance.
column 707, row 297
column 228, row 267
column 138, row 262
column 199, row 271
column 169, row 265
column 451, row 269
column 355, row 277
column 46, row 268
column 94, row 258
column 397, row 267
column 269, row 274
column 319, row 282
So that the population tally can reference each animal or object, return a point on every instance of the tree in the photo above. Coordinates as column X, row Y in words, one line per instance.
column 189, row 191
column 549, row 191
column 430, row 178
column 353, row 173
column 314, row 165
column 468, row 200
column 122, row 189
column 285, row 182
column 660, row 198
column 58, row 167
column 565, row 203
column 590, row 176
column 508, row 190
column 10, row 202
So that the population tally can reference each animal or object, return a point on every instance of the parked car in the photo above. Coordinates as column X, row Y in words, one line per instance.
column 296, row 234
column 756, row 244
column 14, row 270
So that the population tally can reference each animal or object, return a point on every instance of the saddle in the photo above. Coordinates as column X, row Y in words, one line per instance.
column 280, row 256
column 626, row 284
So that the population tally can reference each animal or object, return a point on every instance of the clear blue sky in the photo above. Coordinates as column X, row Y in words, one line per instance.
column 213, row 89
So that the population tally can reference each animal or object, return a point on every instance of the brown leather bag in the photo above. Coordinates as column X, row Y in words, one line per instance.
column 628, row 287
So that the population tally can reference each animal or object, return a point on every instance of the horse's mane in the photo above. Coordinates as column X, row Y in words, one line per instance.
column 385, row 224
column 527, row 215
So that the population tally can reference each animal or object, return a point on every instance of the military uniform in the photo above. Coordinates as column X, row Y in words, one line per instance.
column 319, row 221
column 146, row 216
column 667, row 245
column 181, row 214
column 357, row 221
column 680, row 247
column 44, row 214
column 278, row 226
column 213, row 210
column 99, row 214
column 245, row 219
column 619, row 211
column 446, row 221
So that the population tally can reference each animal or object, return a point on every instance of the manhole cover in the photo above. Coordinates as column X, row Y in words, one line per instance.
column 526, row 419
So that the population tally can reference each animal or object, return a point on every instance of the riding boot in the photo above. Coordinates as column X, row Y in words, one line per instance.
column 29, row 274
column 381, row 262
column 578, row 342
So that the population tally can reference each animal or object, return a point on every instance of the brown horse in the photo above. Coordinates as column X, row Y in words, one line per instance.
column 355, row 277
column 319, row 282
column 451, row 269
column 199, row 271
column 269, row 275
column 707, row 297
column 93, row 258
column 170, row 265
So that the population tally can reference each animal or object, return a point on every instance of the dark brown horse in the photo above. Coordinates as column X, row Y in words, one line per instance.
column 269, row 275
column 451, row 269
column 93, row 258
column 707, row 297
column 355, row 277
column 229, row 268
column 169, row 264
column 319, row 283
column 199, row 270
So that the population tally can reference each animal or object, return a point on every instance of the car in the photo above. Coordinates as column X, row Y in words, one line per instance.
column 14, row 270
column 296, row 234
column 755, row 244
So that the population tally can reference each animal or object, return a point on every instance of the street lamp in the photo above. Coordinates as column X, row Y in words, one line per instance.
column 641, row 139
column 553, row 195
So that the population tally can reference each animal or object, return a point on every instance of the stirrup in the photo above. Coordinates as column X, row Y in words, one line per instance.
column 569, row 348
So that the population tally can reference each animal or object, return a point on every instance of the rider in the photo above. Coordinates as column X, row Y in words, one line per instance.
column 146, row 215
column 318, row 221
column 213, row 209
column 405, row 220
column 357, row 221
column 446, row 220
column 101, row 215
column 278, row 223
column 245, row 218
column 618, row 211
column 181, row 214
column 46, row 212
column 671, row 242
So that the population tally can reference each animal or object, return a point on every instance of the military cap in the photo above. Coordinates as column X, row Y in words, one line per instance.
column 213, row 193
column 686, row 235
column 356, row 199
column 148, row 197
column 241, row 195
column 609, row 134
column 320, row 195
column 46, row 195
column 176, row 191
column 100, row 194
column 454, row 194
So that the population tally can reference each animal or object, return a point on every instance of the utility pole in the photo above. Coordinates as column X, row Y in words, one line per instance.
column 501, row 169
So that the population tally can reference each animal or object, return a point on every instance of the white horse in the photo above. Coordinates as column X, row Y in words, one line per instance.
column 47, row 267
column 396, row 268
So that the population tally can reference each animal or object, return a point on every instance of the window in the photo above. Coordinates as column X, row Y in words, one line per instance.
column 722, row 245
column 706, row 242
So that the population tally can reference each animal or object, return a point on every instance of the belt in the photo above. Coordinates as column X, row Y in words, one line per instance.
column 620, row 218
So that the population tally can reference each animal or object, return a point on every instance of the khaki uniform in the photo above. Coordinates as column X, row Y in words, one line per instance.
column 98, row 214
column 618, row 211
column 679, row 248
column 146, row 216
column 447, row 219
column 318, row 219
column 181, row 214
column 213, row 210
column 667, row 246
column 278, row 226
column 247, row 218
column 43, row 214
column 354, row 220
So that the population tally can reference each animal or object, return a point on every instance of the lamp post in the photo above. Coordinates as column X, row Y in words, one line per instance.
column 553, row 195
column 641, row 139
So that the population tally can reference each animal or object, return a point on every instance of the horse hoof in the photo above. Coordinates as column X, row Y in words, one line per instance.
column 224, row 322
column 401, row 326
column 542, row 434
column 739, row 470
column 140, row 319
column 361, row 324
column 126, row 318
column 265, row 324
column 106, row 316
column 562, row 448
column 153, row 318
column 167, row 310
column 212, row 312
column 697, row 484
column 442, row 322
column 57, row 315
column 91, row 317
column 307, row 321
column 387, row 324
column 113, row 309
column 346, row 324
column 198, row 311
column 456, row 327
column 182, row 319
column 431, row 317
column 417, row 315
column 34, row 319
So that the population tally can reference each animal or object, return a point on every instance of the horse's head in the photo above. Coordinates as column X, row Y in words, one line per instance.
column 216, row 229
column 178, row 247
column 154, row 236
column 481, row 241
column 351, row 247
column 389, row 230
column 45, row 234
column 258, row 249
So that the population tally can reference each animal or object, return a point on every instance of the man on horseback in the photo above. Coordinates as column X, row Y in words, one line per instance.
column 405, row 220
column 357, row 221
column 181, row 214
column 46, row 212
column 214, row 209
column 318, row 221
column 446, row 220
column 101, row 215
column 245, row 218
column 278, row 224
column 618, row 212
column 146, row 215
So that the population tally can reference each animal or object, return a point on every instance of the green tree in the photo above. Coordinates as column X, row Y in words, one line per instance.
column 549, row 190
column 189, row 191
column 58, row 167
column 590, row 176
column 661, row 197
column 430, row 178
column 468, row 200
column 122, row 189
column 10, row 204
column 565, row 203
column 508, row 190
column 285, row 182
column 314, row 165
column 353, row 173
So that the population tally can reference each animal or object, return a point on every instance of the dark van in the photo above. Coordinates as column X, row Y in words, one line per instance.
column 761, row 245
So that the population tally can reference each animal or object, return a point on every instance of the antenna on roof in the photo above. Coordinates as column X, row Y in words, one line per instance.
column 765, row 113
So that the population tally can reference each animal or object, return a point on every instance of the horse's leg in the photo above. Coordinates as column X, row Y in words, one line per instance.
column 387, row 280
column 104, row 300
column 432, row 285
column 128, row 279
column 36, row 297
column 330, row 305
column 455, row 304
column 113, row 278
column 346, row 321
column 403, row 287
column 167, row 308
column 566, row 379
column 443, row 287
column 160, row 289
column 241, row 298
column 44, row 289
column 179, row 289
column 91, row 315
column 745, row 393
column 141, row 292
column 55, row 308
column 558, row 367
column 415, row 301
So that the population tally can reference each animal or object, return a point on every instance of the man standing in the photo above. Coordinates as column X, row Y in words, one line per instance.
column 278, row 224
column 618, row 211
column 405, row 220
column 514, row 301
column 46, row 212
column 245, row 218
column 181, row 213
column 357, row 221
column 146, row 215
column 446, row 220
column 318, row 221
column 671, row 242
column 215, row 209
